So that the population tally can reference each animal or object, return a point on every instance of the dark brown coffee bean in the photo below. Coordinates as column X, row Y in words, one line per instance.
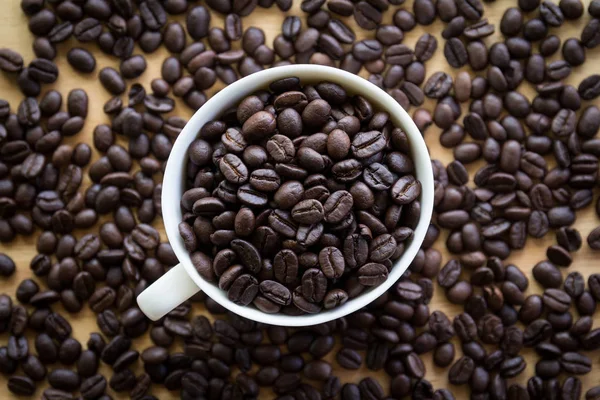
column 472, row 10
column 367, row 50
column 455, row 52
column 153, row 15
column 275, row 292
column 302, row 304
column 43, row 71
column 575, row 363
column 63, row 379
column 17, row 348
column 197, row 22
column 406, row 190
column 21, row 385
column 571, row 9
column 399, row 54
column 556, row 300
column 243, row 290
column 461, row 371
column 559, row 256
column 589, row 88
column 409, row 291
column 547, row 274
column 366, row 144
column 490, row 329
column 571, row 388
column 367, row 16
column 10, row 60
column 87, row 29
column 382, row 247
column 589, row 35
column 438, row 85
column 573, row 52
column 332, row 262
column 424, row 11
column 349, row 359
column 111, row 80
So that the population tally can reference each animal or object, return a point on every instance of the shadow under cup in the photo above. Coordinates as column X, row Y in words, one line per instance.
column 174, row 181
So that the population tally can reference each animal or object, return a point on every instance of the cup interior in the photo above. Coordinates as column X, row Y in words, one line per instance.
column 174, row 181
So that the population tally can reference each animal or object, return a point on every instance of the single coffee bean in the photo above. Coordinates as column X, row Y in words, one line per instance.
column 112, row 81
column 81, row 60
column 10, row 60
column 367, row 16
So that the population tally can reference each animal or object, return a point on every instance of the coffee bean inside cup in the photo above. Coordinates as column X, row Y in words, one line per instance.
column 313, row 192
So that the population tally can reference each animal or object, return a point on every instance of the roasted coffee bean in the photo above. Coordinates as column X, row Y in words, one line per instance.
column 367, row 16
column 372, row 274
column 556, row 300
column 332, row 262
column 17, row 348
column 344, row 34
column 243, row 290
column 575, row 363
column 455, row 52
column 589, row 88
column 406, row 190
column 409, row 291
column 43, row 71
column 275, row 292
column 461, row 371
column 438, row 85
column 547, row 274
column 64, row 379
column 593, row 239
column 571, row 388
column 21, row 385
column 81, row 60
column 573, row 52
column 112, row 80
column 7, row 265
column 10, row 60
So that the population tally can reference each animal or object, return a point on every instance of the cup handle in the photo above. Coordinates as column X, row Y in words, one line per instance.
column 166, row 293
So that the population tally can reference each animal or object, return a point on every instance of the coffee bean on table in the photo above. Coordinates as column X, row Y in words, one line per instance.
column 372, row 274
column 556, row 300
column 461, row 371
column 455, row 52
column 367, row 16
column 349, row 359
column 43, row 71
column 81, row 59
column 547, row 274
column 303, row 197
column 7, row 265
column 64, row 379
column 593, row 239
column 112, row 80
column 10, row 60
column 21, row 385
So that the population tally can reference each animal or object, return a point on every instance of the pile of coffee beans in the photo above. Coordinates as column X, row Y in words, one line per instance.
column 40, row 176
column 304, row 194
column 522, row 169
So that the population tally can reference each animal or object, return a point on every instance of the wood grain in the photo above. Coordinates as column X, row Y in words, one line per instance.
column 15, row 34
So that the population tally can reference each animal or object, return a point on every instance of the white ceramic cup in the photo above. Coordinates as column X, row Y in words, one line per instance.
column 183, row 281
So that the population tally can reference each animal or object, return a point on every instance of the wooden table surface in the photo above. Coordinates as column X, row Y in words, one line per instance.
column 15, row 34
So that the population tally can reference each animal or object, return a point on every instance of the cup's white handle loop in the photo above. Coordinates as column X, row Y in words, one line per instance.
column 172, row 289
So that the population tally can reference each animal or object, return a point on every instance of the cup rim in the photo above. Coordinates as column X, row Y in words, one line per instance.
column 172, row 188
